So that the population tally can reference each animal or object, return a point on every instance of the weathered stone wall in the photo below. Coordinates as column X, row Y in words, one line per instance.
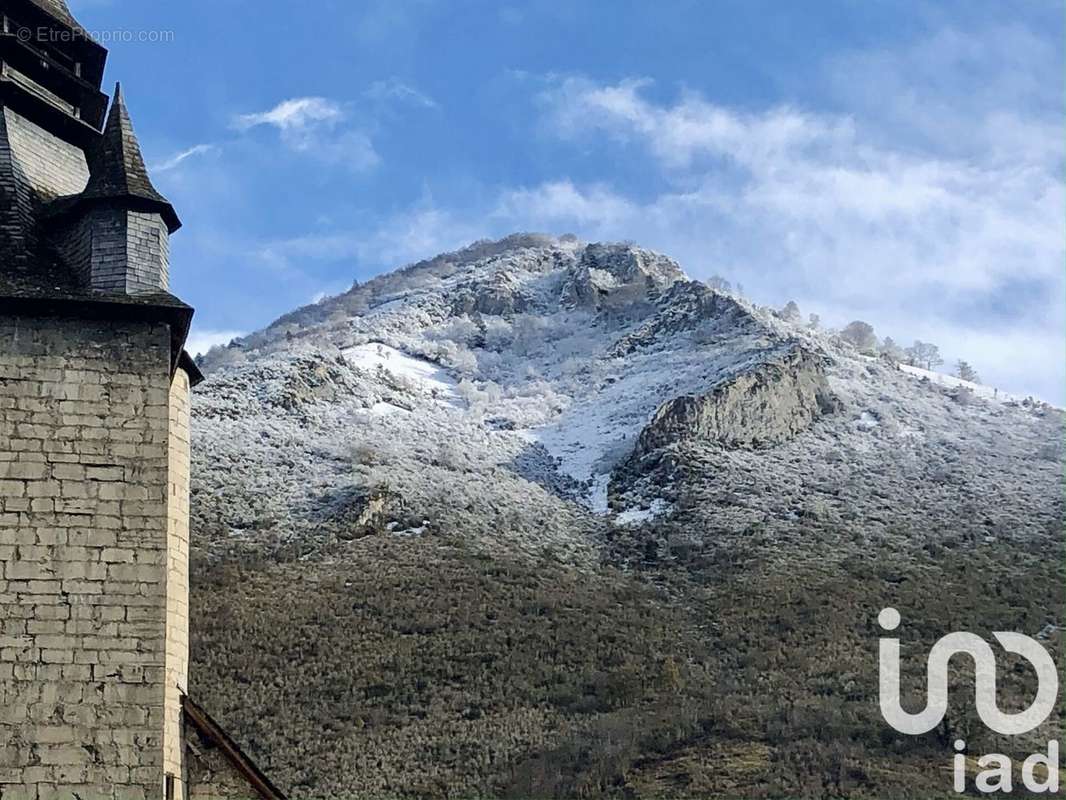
column 177, row 630
column 84, row 527
column 211, row 775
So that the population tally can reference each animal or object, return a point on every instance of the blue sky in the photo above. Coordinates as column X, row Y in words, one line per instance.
column 894, row 161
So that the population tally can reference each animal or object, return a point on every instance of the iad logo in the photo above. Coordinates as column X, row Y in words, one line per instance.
column 997, row 775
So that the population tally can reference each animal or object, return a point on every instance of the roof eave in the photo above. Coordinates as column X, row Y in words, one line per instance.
column 211, row 730
column 161, row 307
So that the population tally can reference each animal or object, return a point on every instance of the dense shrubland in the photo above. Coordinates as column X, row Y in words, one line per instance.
column 414, row 667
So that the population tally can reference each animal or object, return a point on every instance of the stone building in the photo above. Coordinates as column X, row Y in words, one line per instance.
column 94, row 447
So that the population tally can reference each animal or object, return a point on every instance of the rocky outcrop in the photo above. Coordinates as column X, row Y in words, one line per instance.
column 686, row 306
column 610, row 274
column 501, row 295
column 767, row 405
column 361, row 513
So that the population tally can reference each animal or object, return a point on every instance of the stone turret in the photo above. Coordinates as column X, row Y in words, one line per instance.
column 116, row 233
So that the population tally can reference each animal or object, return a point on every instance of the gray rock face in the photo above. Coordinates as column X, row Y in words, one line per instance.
column 684, row 307
column 613, row 274
column 762, row 407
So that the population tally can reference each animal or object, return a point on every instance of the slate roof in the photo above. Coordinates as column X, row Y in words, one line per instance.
column 59, row 10
column 34, row 279
column 117, row 169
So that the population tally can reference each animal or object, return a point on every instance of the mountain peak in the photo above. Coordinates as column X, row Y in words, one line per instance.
column 574, row 380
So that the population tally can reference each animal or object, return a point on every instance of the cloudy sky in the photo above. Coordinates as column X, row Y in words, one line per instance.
column 890, row 160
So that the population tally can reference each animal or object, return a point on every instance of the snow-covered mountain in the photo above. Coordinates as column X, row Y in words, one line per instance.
column 543, row 394
column 547, row 519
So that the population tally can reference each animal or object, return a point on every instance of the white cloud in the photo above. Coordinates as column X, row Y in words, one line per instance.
column 176, row 160
column 413, row 234
column 200, row 341
column 294, row 115
column 314, row 126
column 692, row 127
column 924, row 241
column 561, row 202
column 929, row 207
column 393, row 89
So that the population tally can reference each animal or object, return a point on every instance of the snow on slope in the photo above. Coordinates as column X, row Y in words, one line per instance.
column 951, row 382
column 422, row 376
column 496, row 390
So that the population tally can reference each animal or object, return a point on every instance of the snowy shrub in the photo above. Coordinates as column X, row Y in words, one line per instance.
column 454, row 356
column 527, row 330
column 461, row 330
column 365, row 454
column 573, row 367
column 451, row 456
column 791, row 313
column 499, row 333
column 490, row 363
column 963, row 395
column 468, row 390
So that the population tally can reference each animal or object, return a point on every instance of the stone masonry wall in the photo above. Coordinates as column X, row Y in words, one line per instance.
column 212, row 776
column 177, row 630
column 84, row 527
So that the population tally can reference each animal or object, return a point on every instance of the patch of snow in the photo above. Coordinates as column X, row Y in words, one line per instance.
column 428, row 377
column 384, row 409
column 867, row 422
column 600, row 428
column 635, row 516
column 597, row 499
column 950, row 381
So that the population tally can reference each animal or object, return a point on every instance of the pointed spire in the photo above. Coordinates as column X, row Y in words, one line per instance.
column 116, row 166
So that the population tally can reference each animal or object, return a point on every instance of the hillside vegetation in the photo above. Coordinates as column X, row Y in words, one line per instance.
column 547, row 519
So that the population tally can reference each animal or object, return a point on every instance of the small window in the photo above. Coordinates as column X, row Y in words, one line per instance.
column 170, row 787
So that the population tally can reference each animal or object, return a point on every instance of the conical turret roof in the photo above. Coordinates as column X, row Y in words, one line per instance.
column 117, row 169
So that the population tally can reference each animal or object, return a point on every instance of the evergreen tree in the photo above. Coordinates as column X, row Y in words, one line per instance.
column 966, row 372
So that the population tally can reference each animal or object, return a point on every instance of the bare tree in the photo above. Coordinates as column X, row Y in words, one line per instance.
column 924, row 355
column 720, row 284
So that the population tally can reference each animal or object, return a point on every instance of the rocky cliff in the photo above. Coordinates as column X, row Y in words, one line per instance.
column 766, row 405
